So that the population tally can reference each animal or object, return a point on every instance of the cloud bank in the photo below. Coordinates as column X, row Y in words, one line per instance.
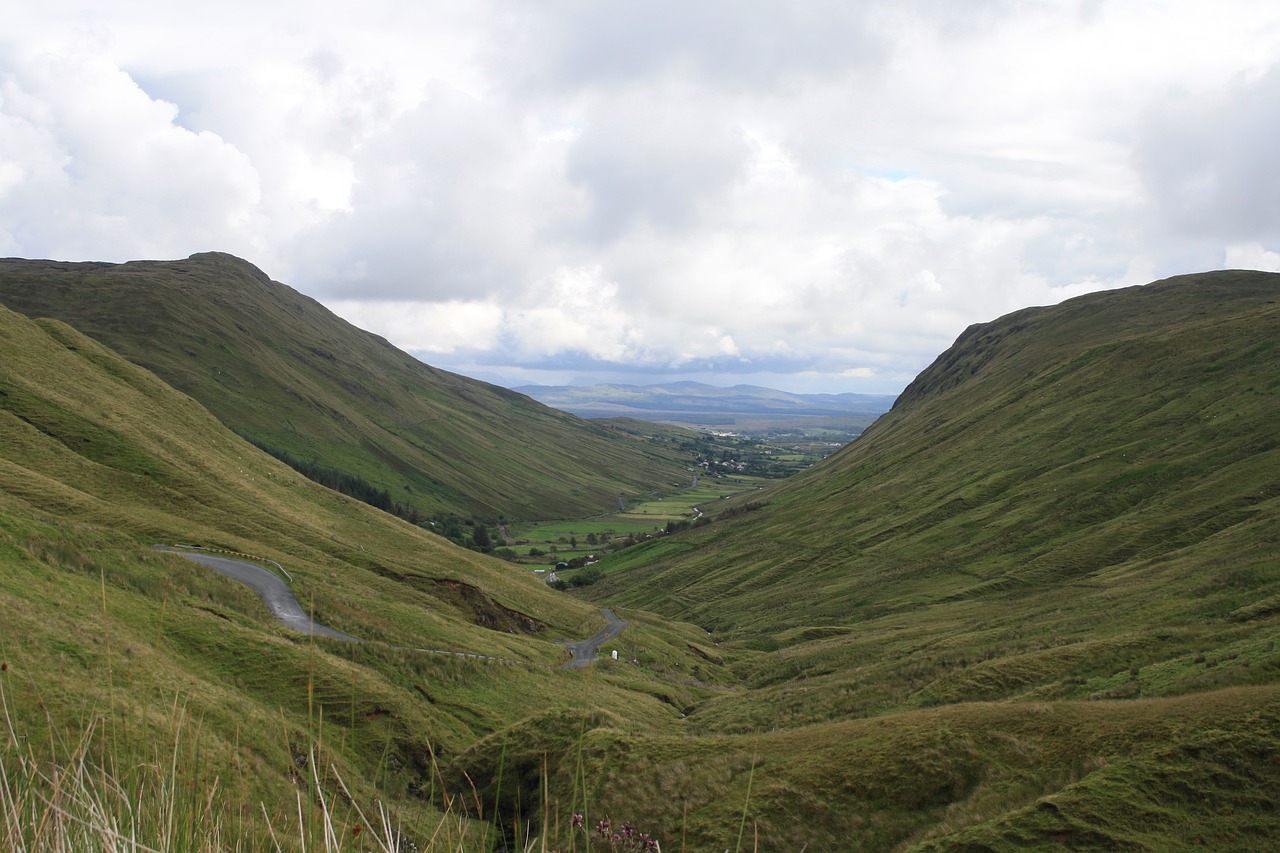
column 813, row 195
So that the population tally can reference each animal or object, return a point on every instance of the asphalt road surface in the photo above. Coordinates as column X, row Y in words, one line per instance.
column 584, row 651
column 279, row 599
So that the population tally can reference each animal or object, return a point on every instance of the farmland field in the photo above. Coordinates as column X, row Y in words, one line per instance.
column 567, row 539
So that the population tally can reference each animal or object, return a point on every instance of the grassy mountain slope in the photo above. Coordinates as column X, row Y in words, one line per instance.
column 279, row 368
column 142, row 652
column 1180, row 774
column 918, row 645
column 1101, row 442
column 1075, row 504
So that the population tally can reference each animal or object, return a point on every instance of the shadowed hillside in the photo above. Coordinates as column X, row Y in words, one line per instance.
column 282, row 370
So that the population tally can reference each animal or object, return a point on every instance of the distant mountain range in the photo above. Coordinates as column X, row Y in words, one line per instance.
column 696, row 402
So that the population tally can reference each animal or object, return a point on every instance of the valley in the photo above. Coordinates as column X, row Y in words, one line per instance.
column 546, row 544
column 1032, row 606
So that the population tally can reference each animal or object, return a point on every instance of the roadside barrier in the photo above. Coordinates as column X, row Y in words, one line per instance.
column 237, row 554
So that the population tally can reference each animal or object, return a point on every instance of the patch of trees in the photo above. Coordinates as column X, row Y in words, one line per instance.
column 675, row 526
column 586, row 577
column 470, row 533
column 751, row 506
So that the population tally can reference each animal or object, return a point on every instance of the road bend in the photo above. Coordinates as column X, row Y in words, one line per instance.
column 284, row 605
column 584, row 651
column 274, row 592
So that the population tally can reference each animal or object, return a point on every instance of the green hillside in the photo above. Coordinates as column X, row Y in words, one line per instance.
column 1106, row 445
column 1034, row 607
column 133, row 659
column 279, row 368
column 1075, row 503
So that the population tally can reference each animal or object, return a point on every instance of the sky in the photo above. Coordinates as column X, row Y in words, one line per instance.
column 816, row 195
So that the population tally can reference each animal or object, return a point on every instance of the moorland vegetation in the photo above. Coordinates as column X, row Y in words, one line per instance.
column 1032, row 607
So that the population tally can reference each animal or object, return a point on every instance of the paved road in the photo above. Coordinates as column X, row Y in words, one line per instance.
column 282, row 603
column 584, row 651
column 279, row 599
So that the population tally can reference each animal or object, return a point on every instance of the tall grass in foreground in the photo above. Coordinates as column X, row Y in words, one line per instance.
column 75, row 793
column 58, row 795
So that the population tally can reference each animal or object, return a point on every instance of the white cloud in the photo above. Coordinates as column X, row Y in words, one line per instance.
column 809, row 189
column 656, row 162
column 428, row 327
column 96, row 168
column 1209, row 162
column 1251, row 256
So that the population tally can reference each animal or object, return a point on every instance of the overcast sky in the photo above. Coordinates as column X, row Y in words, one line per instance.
column 809, row 195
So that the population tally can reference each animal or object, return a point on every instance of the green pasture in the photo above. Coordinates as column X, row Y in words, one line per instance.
column 567, row 538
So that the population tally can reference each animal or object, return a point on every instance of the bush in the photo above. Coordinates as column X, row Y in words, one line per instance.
column 586, row 577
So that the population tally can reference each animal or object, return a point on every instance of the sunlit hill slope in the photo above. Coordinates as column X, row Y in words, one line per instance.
column 133, row 659
column 279, row 368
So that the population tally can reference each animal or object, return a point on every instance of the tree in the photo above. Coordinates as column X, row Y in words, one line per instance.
column 481, row 538
column 453, row 531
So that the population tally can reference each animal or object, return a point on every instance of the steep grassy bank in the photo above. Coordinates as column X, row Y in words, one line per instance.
column 1192, row 773
column 1077, row 504
column 104, row 637
column 279, row 368
column 1106, row 465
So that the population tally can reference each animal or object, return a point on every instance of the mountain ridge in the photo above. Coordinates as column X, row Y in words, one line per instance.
column 684, row 401
column 281, row 369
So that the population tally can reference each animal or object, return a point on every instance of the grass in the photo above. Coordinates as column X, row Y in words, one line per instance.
column 1155, row 774
column 643, row 519
column 1044, row 776
column 1034, row 607
column 101, row 786
column 101, row 627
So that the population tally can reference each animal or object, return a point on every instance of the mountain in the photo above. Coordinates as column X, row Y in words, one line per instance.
column 1040, row 450
column 1035, row 606
column 695, row 402
column 280, row 369
column 1073, row 511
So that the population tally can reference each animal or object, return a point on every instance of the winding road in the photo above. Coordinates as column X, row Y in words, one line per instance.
column 284, row 605
column 274, row 592
column 584, row 651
